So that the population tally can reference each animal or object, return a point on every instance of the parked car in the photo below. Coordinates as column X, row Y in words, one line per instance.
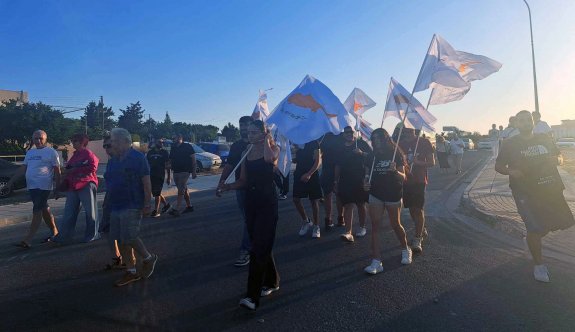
column 566, row 142
column 204, row 160
column 469, row 145
column 7, row 171
column 220, row 149
column 485, row 144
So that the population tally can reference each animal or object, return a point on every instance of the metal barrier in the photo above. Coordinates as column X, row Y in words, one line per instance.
column 14, row 158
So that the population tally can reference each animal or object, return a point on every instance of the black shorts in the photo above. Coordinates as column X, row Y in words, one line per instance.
column 157, row 185
column 39, row 199
column 351, row 191
column 310, row 189
column 547, row 213
column 414, row 195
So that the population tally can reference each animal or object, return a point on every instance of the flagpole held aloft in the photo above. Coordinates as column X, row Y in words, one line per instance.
column 419, row 135
column 239, row 163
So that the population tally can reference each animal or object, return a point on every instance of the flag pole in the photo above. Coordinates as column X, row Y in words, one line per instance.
column 239, row 163
column 419, row 135
column 411, row 98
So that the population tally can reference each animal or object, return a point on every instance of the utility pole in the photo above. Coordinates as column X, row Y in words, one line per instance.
column 533, row 59
column 102, row 110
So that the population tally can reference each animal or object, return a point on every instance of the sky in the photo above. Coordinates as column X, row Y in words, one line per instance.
column 204, row 61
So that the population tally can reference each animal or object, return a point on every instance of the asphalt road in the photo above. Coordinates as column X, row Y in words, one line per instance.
column 467, row 278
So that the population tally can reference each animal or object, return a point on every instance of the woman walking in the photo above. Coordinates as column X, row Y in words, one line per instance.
column 349, row 182
column 80, row 184
column 261, row 207
column 442, row 149
column 385, row 192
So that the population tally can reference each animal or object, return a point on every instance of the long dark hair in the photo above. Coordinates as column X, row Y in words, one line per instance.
column 389, row 144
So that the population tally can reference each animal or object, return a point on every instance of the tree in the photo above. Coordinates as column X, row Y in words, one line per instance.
column 131, row 118
column 20, row 121
column 165, row 129
column 231, row 132
column 149, row 129
column 205, row 133
column 94, row 114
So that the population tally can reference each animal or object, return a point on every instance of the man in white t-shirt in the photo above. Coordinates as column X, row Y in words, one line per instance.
column 457, row 146
column 494, row 138
column 510, row 131
column 42, row 168
column 541, row 127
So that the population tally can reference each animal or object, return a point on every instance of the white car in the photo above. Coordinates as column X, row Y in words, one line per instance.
column 468, row 144
column 485, row 144
column 566, row 142
column 206, row 160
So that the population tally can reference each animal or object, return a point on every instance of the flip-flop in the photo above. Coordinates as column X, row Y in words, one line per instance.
column 23, row 244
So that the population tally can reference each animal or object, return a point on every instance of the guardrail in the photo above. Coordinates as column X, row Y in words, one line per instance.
column 14, row 158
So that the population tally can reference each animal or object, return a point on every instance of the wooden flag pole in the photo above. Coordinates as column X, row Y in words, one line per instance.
column 239, row 163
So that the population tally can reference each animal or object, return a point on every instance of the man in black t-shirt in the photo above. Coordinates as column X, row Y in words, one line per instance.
column 236, row 152
column 306, row 184
column 183, row 162
column 159, row 161
column 531, row 163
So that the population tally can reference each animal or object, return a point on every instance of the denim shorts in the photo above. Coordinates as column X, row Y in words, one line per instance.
column 39, row 199
column 125, row 225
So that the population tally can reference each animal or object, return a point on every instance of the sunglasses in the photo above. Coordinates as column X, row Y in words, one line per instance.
column 107, row 146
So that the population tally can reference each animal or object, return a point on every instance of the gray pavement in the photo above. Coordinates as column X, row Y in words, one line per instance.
column 489, row 197
column 22, row 212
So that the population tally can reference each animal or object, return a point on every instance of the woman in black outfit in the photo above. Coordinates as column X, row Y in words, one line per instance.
column 261, row 206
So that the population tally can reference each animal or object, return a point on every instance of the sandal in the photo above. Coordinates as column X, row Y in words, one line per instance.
column 23, row 244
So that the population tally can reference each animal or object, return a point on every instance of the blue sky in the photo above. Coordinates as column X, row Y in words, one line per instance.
column 204, row 61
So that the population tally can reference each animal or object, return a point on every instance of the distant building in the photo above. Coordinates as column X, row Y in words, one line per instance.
column 565, row 129
column 7, row 95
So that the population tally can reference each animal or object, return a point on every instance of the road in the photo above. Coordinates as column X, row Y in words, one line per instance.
column 468, row 278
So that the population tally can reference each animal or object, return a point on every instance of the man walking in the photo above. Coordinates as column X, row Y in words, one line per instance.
column 129, row 192
column 457, row 145
column 159, row 161
column 236, row 151
column 42, row 167
column 306, row 185
column 330, row 146
column 530, row 160
column 494, row 138
column 540, row 127
column 414, row 187
column 183, row 162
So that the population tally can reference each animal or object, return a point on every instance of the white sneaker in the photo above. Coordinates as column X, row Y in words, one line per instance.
column 347, row 237
column 416, row 244
column 375, row 267
column 248, row 303
column 541, row 273
column 305, row 227
column 361, row 232
column 406, row 256
column 315, row 232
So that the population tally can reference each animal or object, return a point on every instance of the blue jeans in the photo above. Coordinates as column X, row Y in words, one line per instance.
column 87, row 197
column 241, row 199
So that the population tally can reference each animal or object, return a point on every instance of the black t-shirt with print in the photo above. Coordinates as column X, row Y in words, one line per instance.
column 181, row 158
column 304, row 158
column 236, row 152
column 536, row 158
column 157, row 159
column 386, row 185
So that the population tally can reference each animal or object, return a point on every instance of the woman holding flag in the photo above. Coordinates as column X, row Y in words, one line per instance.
column 384, row 177
column 261, row 208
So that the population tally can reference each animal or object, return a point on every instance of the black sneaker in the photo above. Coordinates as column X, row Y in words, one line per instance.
column 155, row 214
column 174, row 212
column 268, row 290
column 188, row 209
column 166, row 208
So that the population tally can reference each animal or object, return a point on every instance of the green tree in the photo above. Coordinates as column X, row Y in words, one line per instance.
column 165, row 129
column 205, row 133
column 98, row 115
column 131, row 118
column 231, row 132
column 20, row 121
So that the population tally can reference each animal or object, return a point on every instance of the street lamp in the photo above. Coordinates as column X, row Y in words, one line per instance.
column 533, row 58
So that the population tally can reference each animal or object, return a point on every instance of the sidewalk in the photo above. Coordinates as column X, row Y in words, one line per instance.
column 489, row 197
column 22, row 212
